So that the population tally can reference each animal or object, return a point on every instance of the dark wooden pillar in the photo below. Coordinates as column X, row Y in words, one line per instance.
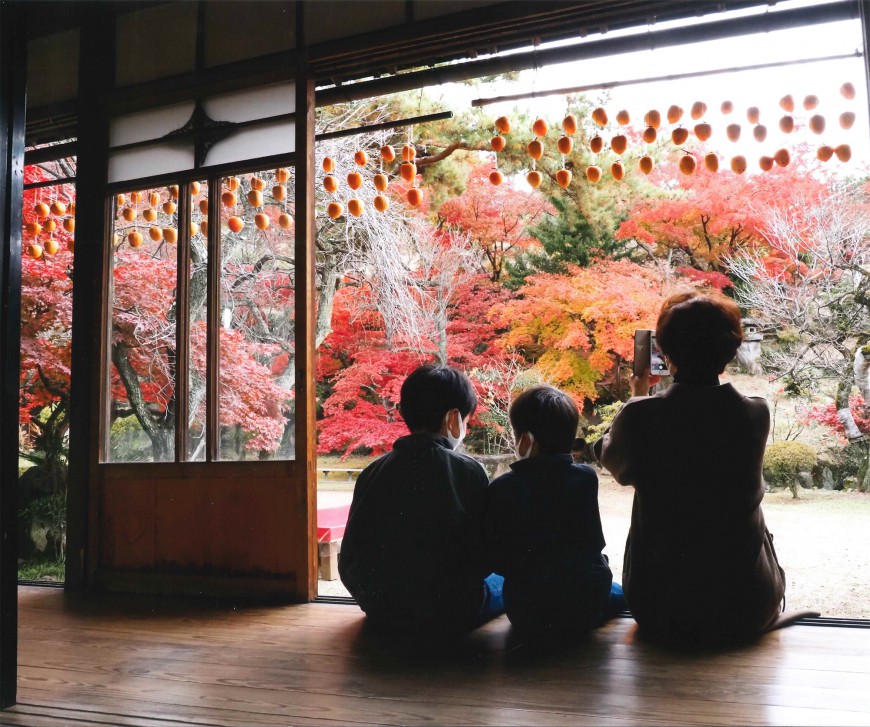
column 96, row 76
column 13, row 80
column 306, row 432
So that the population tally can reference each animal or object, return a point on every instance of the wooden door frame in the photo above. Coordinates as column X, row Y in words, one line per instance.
column 13, row 82
column 90, row 268
column 306, row 229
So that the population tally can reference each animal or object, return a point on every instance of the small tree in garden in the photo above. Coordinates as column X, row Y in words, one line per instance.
column 498, row 382
column 786, row 462
column 566, row 237
column 813, row 286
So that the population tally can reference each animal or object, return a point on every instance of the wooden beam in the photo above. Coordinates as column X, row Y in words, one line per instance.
column 92, row 255
column 496, row 28
column 564, row 91
column 50, row 153
column 712, row 30
column 305, row 358
column 13, row 81
column 463, row 35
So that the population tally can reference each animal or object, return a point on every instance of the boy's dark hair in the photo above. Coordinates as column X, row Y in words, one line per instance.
column 430, row 392
column 550, row 415
column 699, row 333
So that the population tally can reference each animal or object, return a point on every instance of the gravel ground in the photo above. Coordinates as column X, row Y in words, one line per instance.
column 822, row 540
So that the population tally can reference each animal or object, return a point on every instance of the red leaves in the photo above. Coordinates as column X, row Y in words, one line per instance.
column 46, row 308
column 714, row 216
column 707, row 278
column 496, row 218
column 827, row 415
column 364, row 372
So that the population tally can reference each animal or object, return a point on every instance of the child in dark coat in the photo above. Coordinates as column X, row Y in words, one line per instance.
column 413, row 554
column 543, row 527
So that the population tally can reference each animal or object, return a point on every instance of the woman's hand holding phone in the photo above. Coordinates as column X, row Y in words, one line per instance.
column 640, row 385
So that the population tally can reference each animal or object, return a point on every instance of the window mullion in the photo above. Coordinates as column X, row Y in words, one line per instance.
column 182, row 327
column 213, row 321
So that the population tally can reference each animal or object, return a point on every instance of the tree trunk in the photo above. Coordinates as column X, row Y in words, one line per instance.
column 162, row 437
column 325, row 302
column 861, row 370
column 441, row 327
column 857, row 441
column 844, row 413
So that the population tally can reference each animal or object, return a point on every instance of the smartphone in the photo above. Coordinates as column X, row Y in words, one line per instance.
column 648, row 353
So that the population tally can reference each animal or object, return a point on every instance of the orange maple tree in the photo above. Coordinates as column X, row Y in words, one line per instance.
column 578, row 327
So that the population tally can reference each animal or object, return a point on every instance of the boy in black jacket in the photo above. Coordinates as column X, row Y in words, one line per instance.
column 413, row 554
column 543, row 528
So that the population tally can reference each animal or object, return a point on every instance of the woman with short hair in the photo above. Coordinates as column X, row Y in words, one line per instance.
column 699, row 560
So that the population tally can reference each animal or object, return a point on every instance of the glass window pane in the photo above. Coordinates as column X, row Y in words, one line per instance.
column 257, row 316
column 198, row 287
column 143, row 344
column 44, row 388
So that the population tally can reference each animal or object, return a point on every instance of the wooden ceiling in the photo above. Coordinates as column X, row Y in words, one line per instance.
column 495, row 28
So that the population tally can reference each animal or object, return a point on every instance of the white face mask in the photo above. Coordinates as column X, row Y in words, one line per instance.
column 455, row 441
column 519, row 454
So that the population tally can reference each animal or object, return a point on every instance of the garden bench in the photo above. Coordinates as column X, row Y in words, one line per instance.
column 331, row 522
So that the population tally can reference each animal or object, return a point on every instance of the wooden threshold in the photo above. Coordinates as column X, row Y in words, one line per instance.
column 125, row 660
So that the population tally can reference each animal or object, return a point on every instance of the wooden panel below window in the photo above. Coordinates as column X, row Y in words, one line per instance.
column 234, row 521
column 127, row 532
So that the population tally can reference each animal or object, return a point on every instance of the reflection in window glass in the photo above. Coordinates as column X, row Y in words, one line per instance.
column 257, row 316
column 143, row 344
column 44, row 390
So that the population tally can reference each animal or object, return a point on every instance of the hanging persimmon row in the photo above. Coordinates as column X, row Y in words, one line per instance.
column 679, row 135
column 355, row 206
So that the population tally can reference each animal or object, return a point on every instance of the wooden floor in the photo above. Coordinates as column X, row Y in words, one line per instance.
column 135, row 661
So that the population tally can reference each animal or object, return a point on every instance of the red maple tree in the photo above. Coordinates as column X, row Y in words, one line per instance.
column 362, row 370
column 711, row 217
column 46, row 313
column 496, row 218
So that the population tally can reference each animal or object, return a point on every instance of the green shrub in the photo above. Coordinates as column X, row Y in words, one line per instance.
column 784, row 461
column 606, row 414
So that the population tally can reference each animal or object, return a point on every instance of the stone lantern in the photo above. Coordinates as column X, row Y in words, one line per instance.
column 749, row 353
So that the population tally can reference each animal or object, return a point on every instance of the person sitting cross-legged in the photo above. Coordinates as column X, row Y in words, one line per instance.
column 700, row 567
column 543, row 527
column 413, row 554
